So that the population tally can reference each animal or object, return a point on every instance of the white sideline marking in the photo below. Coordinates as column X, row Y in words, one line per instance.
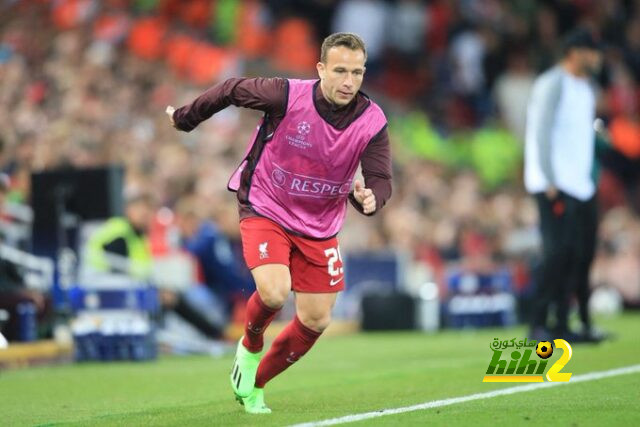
column 452, row 401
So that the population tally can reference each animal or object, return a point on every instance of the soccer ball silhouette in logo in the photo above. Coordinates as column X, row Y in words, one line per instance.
column 544, row 349
column 304, row 128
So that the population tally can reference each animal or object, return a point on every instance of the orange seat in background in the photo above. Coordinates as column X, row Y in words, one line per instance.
column 146, row 39
column 294, row 47
column 180, row 49
column 206, row 63
column 196, row 13
column 625, row 136
column 253, row 39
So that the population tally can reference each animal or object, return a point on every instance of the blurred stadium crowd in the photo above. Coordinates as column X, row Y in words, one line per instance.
column 85, row 82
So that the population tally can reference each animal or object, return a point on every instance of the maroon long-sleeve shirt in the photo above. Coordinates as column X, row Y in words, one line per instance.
column 270, row 96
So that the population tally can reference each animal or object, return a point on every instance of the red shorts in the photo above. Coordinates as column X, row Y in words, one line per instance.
column 315, row 265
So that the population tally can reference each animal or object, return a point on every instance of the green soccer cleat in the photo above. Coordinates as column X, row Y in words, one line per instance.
column 243, row 372
column 254, row 403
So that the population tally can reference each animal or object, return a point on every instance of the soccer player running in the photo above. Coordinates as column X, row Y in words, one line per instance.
column 292, row 189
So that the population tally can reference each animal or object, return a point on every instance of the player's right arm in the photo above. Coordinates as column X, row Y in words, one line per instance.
column 264, row 94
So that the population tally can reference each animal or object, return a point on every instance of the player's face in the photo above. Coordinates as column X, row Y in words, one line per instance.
column 341, row 76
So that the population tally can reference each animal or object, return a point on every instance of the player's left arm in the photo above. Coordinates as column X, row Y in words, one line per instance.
column 376, row 170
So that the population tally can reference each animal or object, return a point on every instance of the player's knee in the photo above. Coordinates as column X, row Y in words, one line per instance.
column 315, row 321
column 273, row 283
column 274, row 295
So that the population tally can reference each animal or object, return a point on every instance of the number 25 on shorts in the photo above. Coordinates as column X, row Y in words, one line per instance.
column 334, row 255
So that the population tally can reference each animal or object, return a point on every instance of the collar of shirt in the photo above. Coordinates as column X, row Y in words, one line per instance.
column 339, row 116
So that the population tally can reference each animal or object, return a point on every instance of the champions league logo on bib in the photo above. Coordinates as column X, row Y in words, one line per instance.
column 304, row 128
column 298, row 141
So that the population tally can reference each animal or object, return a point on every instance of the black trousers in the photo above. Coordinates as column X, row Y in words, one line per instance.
column 568, row 227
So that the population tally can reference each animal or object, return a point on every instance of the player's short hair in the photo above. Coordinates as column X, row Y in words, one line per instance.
column 349, row 40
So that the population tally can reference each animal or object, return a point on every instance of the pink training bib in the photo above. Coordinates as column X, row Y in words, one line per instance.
column 304, row 173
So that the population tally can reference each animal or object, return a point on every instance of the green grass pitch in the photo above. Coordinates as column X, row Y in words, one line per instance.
column 340, row 376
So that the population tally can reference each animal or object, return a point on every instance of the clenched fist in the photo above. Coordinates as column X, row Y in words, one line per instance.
column 170, row 110
column 365, row 197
